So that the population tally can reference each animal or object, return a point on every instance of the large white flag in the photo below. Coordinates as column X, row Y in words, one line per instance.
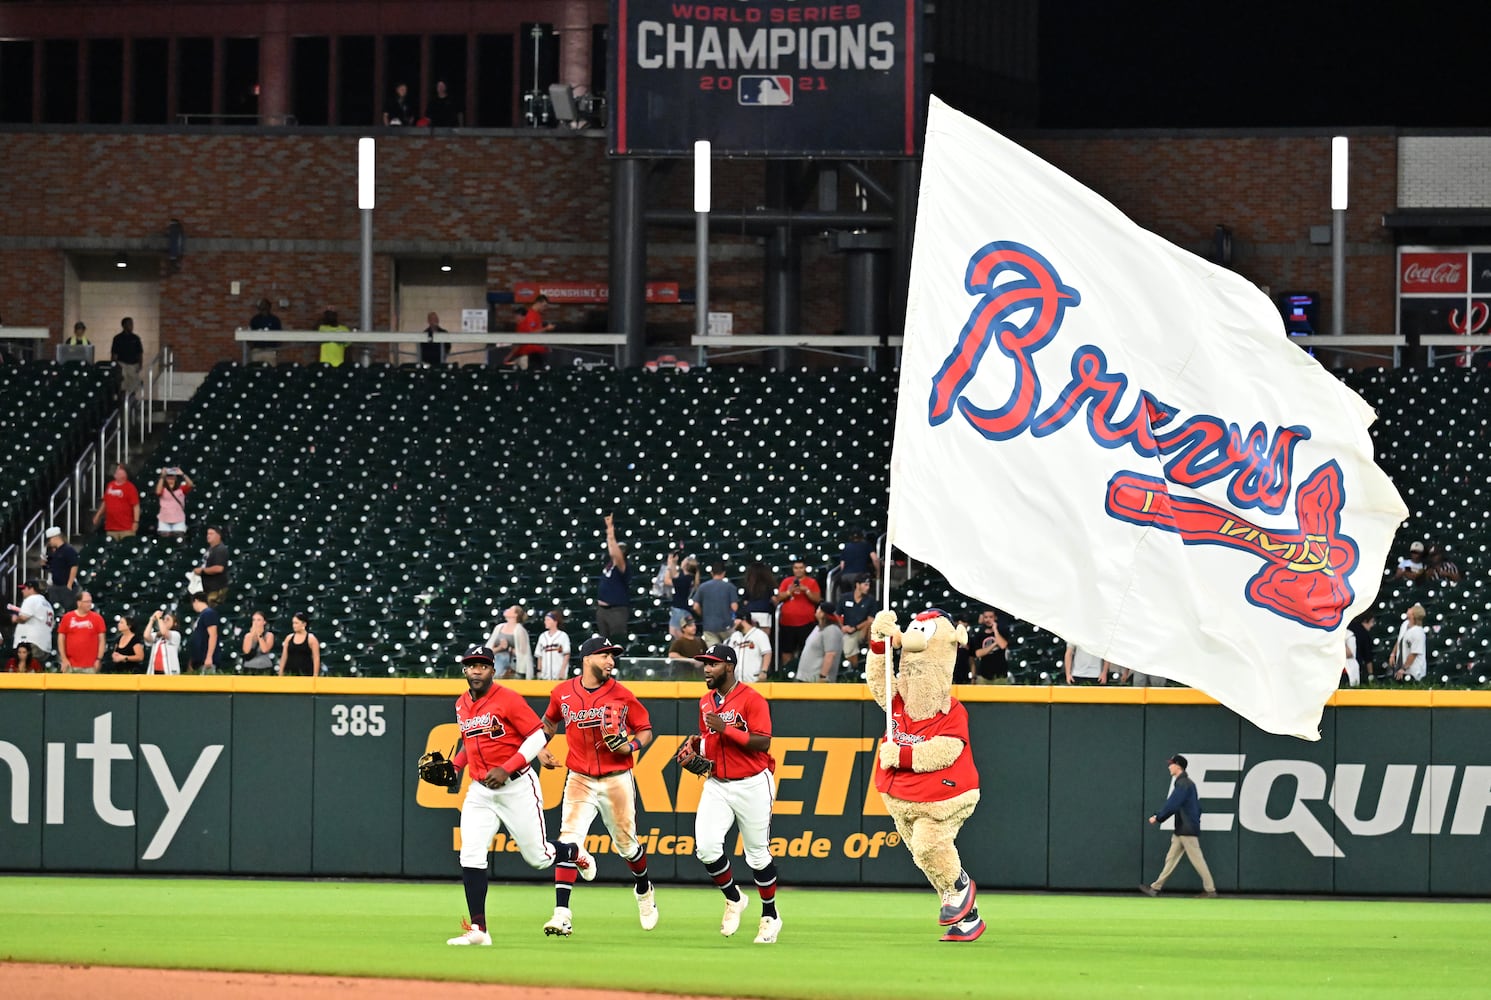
column 1113, row 439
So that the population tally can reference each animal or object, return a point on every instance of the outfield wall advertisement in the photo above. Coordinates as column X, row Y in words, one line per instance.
column 766, row 77
column 222, row 776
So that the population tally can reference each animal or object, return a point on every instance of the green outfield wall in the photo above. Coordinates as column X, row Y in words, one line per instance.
column 300, row 777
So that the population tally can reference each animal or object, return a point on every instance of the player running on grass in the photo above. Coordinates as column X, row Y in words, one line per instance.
column 604, row 724
column 739, row 787
column 500, row 737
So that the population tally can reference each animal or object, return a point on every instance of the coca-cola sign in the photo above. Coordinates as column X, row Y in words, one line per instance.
column 1433, row 273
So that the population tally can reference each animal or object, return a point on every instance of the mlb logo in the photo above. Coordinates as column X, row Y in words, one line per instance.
column 764, row 91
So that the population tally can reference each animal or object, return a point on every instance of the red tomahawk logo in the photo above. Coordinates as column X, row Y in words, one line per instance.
column 1306, row 572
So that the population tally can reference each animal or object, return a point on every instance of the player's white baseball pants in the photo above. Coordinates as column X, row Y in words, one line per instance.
column 748, row 802
column 517, row 806
column 614, row 797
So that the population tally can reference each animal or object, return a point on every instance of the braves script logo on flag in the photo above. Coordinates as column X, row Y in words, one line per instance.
column 1113, row 440
column 1306, row 572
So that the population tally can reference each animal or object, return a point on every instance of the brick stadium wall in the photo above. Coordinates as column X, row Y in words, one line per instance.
column 73, row 191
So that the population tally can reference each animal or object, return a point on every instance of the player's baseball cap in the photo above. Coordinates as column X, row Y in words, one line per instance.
column 598, row 644
column 1179, row 761
column 477, row 654
column 32, row 585
column 718, row 653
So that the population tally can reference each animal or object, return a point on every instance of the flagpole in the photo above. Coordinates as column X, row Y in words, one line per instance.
column 890, row 673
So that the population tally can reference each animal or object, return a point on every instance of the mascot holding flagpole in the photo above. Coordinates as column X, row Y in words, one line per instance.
column 925, row 769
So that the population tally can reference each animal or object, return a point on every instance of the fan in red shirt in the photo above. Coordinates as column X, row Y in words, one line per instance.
column 797, row 599
column 500, row 738
column 532, row 321
column 84, row 637
column 600, row 773
column 120, row 509
column 735, row 738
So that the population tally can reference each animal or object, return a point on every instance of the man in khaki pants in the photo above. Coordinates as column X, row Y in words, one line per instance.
column 1185, row 806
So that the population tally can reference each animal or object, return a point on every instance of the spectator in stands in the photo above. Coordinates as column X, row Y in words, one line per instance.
column 165, row 644
column 752, row 648
column 714, row 605
column 1411, row 566
column 613, row 601
column 760, row 585
column 1351, row 668
column 266, row 351
column 24, row 659
column 1082, row 667
column 1361, row 627
column 963, row 658
column 431, row 353
column 855, row 614
column 34, row 619
column 214, row 569
column 1437, row 565
column 206, row 644
column 797, row 599
column 128, row 352
column 264, row 319
column 79, row 336
column 857, row 558
column 400, row 109
column 512, row 655
column 128, row 652
column 445, row 110
column 1410, row 657
column 258, row 645
column 82, row 638
column 532, row 321
column 62, row 571
column 685, row 580
column 823, row 650
column 989, row 645
column 300, row 656
column 688, row 645
column 333, row 352
column 120, row 508
column 171, row 490
column 1138, row 678
column 553, row 649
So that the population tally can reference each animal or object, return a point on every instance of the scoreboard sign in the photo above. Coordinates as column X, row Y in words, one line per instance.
column 766, row 77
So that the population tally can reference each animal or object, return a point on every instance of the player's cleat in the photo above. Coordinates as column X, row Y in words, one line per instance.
column 559, row 923
column 1207, row 895
column 472, row 935
column 1148, row 889
column 585, row 862
column 770, row 928
column 955, row 905
column 647, row 910
column 966, row 930
column 730, row 923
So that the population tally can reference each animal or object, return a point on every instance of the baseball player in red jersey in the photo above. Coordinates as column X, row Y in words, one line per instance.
column 740, row 787
column 500, row 737
column 600, row 772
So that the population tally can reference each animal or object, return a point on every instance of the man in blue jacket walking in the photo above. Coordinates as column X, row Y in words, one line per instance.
column 1185, row 805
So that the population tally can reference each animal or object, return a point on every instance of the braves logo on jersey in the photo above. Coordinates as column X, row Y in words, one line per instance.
column 734, row 718
column 483, row 725
column 585, row 718
column 903, row 738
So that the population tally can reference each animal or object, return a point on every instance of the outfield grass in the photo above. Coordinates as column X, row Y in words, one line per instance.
column 835, row 944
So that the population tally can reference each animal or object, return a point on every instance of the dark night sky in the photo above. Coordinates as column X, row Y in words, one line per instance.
column 1234, row 63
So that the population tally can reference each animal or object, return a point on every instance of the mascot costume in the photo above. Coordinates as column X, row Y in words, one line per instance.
column 925, row 770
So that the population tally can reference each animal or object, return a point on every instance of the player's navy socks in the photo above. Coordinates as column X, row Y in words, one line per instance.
column 564, row 852
column 475, row 880
column 638, row 867
column 720, row 871
column 564, row 882
column 766, row 884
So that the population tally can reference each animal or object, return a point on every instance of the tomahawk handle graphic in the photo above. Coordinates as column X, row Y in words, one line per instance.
column 1306, row 571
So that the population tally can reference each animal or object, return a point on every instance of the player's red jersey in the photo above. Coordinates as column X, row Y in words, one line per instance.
column 492, row 729
column 579, row 710
column 934, row 786
column 743, row 708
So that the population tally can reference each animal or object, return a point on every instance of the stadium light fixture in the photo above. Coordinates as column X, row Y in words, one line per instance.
column 446, row 265
column 701, row 175
column 1338, row 173
column 121, row 261
column 365, row 173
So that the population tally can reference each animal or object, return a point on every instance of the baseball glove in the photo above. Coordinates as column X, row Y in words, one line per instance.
column 613, row 730
column 689, row 759
column 434, row 768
